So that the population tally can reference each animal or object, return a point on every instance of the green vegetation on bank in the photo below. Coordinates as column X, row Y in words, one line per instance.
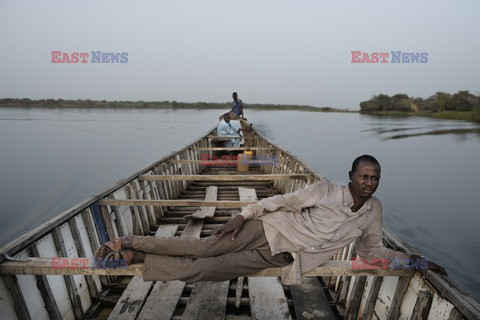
column 61, row 103
column 458, row 106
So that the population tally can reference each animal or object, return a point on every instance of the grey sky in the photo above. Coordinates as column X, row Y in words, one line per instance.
column 283, row 52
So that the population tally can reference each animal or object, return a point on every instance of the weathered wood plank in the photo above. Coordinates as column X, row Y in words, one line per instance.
column 227, row 177
column 354, row 304
column 222, row 138
column 342, row 294
column 162, row 301
column 394, row 310
column 441, row 309
column 176, row 203
column 131, row 302
column 422, row 305
column 138, row 212
column 132, row 299
column 247, row 194
column 147, row 194
column 90, row 227
column 204, row 212
column 267, row 299
column 232, row 148
column 46, row 266
column 265, row 161
column 46, row 291
column 310, row 301
column 100, row 225
column 235, row 317
column 208, row 300
column 21, row 310
column 239, row 291
column 77, row 237
column 69, row 280
column 107, row 222
column 372, row 297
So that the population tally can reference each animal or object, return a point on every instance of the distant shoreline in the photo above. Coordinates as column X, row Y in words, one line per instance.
column 469, row 116
column 94, row 104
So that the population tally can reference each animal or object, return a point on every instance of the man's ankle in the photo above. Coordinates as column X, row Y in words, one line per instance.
column 138, row 256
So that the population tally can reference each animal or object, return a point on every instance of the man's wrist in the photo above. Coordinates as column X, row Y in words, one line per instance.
column 246, row 214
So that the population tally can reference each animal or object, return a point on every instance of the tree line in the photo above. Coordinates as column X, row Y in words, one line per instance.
column 62, row 103
column 462, row 101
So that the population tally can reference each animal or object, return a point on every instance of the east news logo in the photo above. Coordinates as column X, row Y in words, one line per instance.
column 95, row 57
column 395, row 57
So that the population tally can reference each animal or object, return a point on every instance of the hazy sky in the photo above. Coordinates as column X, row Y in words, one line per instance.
column 282, row 52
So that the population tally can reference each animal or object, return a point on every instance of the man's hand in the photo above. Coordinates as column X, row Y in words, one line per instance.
column 430, row 266
column 235, row 225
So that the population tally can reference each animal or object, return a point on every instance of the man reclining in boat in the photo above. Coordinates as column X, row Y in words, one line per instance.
column 298, row 231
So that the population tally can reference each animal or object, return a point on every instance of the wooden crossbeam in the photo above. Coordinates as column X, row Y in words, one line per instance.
column 175, row 203
column 221, row 138
column 225, row 177
column 232, row 148
column 265, row 161
column 43, row 266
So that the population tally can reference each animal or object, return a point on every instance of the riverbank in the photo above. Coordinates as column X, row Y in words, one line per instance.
column 469, row 116
column 95, row 104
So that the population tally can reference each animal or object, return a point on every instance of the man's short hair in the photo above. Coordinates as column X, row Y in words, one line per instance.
column 234, row 93
column 366, row 158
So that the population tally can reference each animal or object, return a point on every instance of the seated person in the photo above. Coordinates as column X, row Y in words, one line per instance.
column 226, row 129
column 236, row 113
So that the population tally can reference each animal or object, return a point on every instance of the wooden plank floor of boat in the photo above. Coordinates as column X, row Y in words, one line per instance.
column 211, row 300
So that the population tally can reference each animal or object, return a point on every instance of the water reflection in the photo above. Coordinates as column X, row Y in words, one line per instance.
column 461, row 132
column 433, row 129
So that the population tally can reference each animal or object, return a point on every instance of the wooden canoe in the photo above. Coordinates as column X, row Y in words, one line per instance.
column 182, row 194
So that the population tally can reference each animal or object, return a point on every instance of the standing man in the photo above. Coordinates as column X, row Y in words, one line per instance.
column 297, row 231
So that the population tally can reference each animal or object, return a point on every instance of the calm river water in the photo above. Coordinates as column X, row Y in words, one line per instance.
column 52, row 159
